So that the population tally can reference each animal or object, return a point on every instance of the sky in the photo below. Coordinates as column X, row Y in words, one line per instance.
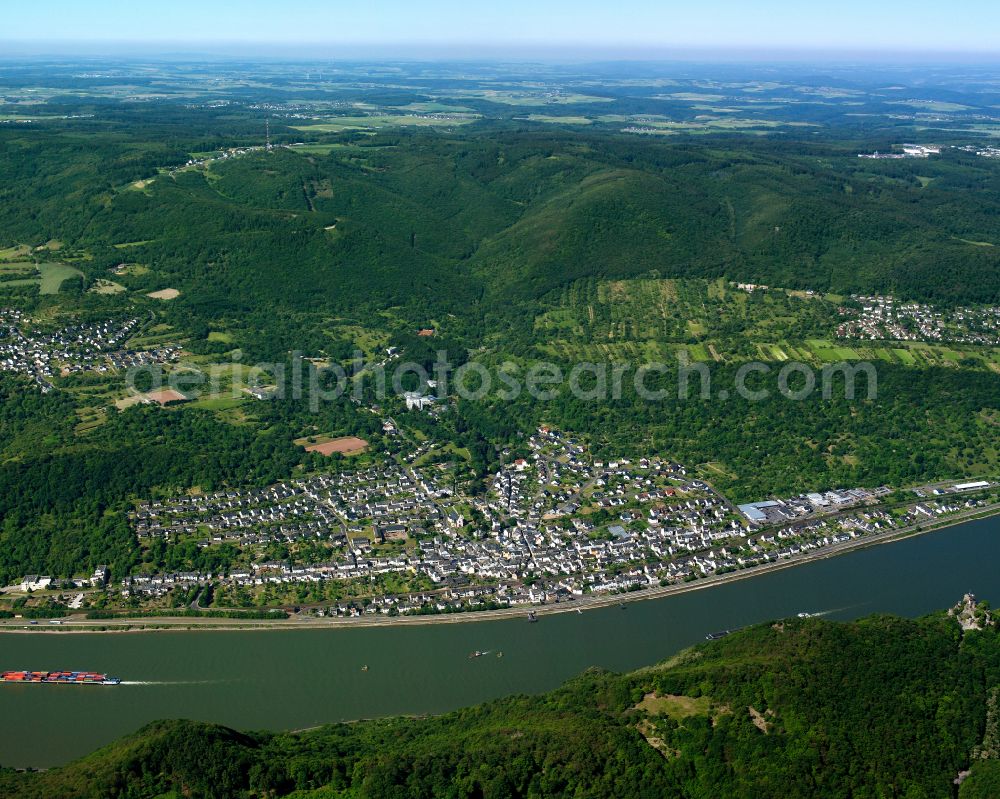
column 621, row 27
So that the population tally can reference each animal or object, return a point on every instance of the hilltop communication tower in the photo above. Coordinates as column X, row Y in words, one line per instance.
column 267, row 134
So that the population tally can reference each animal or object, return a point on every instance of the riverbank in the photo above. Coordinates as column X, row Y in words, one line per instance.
column 256, row 679
column 80, row 625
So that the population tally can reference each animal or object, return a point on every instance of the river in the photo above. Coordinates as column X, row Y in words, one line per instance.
column 301, row 678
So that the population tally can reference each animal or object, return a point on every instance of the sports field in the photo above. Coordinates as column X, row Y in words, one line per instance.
column 348, row 445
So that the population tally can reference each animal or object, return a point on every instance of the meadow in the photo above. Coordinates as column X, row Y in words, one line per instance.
column 49, row 277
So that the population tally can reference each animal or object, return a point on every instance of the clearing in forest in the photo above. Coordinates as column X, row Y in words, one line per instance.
column 348, row 445
column 164, row 294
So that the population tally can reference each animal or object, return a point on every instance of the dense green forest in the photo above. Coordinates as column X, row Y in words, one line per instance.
column 452, row 225
column 882, row 707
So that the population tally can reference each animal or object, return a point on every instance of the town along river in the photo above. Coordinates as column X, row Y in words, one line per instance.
column 296, row 679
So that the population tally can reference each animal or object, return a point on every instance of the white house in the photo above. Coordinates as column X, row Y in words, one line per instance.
column 414, row 399
column 33, row 582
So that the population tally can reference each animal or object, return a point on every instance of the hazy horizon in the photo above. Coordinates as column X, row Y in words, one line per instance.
column 631, row 30
column 479, row 52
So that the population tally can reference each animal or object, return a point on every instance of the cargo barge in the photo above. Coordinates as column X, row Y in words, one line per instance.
column 59, row 678
column 721, row 634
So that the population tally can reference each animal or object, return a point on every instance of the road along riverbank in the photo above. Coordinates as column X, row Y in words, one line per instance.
column 80, row 624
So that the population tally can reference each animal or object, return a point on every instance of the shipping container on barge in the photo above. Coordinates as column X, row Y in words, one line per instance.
column 58, row 678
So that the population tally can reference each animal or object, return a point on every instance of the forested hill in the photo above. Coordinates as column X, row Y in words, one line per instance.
column 439, row 222
column 882, row 707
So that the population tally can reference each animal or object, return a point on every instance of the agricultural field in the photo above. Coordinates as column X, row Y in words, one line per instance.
column 538, row 97
column 320, row 149
column 15, row 253
column 676, row 310
column 713, row 321
column 699, row 123
column 89, row 419
column 435, row 108
column 707, row 124
column 558, row 120
column 379, row 121
column 13, row 270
